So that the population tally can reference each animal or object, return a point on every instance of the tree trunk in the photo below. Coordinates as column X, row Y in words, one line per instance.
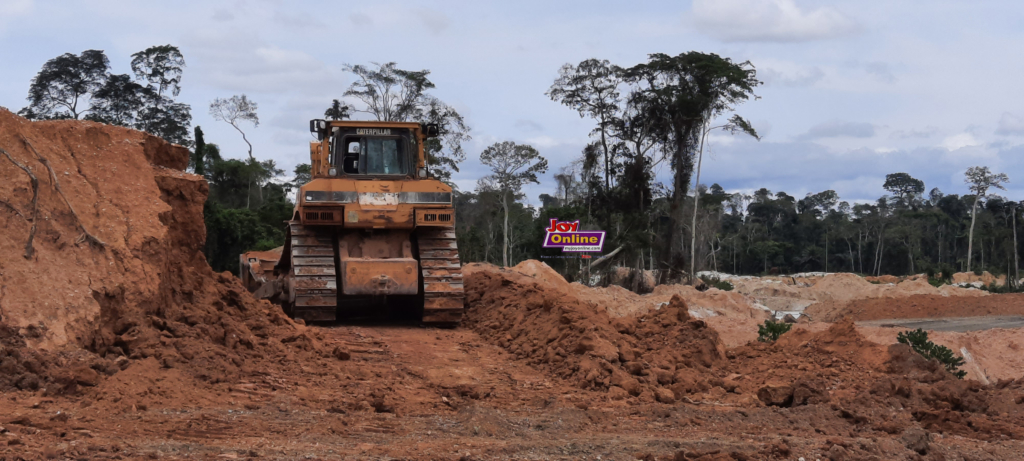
column 853, row 264
column 860, row 253
column 696, row 204
column 681, row 182
column 970, row 235
column 826, row 251
column 604, row 145
column 1016, row 264
column 504, row 246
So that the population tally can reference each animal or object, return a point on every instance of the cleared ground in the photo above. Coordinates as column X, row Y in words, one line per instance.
column 958, row 324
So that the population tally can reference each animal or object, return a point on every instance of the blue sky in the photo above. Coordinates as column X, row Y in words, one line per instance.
column 853, row 90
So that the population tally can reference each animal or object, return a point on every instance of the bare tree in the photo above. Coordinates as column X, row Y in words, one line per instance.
column 980, row 179
column 736, row 124
column 233, row 111
column 512, row 167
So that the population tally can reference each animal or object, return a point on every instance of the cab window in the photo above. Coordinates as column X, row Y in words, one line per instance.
column 374, row 155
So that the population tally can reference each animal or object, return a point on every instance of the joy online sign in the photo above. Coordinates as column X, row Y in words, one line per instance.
column 568, row 237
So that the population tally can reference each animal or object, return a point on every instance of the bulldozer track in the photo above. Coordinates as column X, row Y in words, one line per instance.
column 313, row 282
column 443, row 296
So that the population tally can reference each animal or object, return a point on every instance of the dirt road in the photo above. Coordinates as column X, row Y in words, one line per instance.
column 414, row 393
column 959, row 324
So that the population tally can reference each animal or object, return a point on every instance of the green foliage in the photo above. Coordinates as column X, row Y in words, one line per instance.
column 772, row 330
column 918, row 340
column 198, row 159
column 337, row 111
column 395, row 95
column 59, row 88
column 231, row 228
column 161, row 66
column 715, row 282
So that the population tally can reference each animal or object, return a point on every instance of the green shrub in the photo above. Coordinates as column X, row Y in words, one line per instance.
column 771, row 330
column 977, row 271
column 717, row 283
column 936, row 282
column 918, row 340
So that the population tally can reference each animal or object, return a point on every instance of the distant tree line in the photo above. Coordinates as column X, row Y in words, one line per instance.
column 660, row 112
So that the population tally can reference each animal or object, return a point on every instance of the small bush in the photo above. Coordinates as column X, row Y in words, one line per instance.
column 717, row 283
column 978, row 272
column 936, row 282
column 1006, row 288
column 771, row 330
column 918, row 340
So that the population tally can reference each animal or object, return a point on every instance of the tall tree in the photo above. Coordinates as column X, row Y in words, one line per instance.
column 161, row 66
column 683, row 95
column 337, row 111
column 119, row 101
column 904, row 187
column 736, row 124
column 980, row 179
column 58, row 90
column 591, row 88
column 512, row 166
column 199, row 157
column 395, row 95
column 234, row 111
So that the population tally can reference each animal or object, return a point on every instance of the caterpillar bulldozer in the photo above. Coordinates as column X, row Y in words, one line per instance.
column 370, row 231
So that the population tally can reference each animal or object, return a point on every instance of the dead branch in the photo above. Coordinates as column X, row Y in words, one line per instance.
column 606, row 257
column 56, row 184
column 29, row 251
column 12, row 208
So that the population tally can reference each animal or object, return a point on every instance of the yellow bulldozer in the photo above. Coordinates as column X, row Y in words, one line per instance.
column 370, row 230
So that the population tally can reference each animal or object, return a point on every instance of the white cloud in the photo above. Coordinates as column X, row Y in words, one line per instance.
column 839, row 129
column 769, row 21
column 959, row 141
column 243, row 63
column 1010, row 124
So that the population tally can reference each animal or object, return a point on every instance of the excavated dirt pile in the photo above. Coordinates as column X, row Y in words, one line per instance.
column 551, row 328
column 101, row 253
column 665, row 355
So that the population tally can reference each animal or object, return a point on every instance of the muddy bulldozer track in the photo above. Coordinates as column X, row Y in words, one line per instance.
column 443, row 294
column 312, row 266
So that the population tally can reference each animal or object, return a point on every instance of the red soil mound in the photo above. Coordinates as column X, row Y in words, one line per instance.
column 553, row 329
column 843, row 379
column 102, row 251
column 920, row 306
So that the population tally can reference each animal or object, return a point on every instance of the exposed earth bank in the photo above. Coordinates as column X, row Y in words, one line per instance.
column 117, row 341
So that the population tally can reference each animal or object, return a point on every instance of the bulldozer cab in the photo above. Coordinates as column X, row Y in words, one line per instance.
column 364, row 150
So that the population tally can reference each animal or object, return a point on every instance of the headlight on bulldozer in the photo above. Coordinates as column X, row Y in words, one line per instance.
column 332, row 171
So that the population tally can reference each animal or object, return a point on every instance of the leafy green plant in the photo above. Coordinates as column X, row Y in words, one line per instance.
column 918, row 340
column 717, row 283
column 771, row 330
